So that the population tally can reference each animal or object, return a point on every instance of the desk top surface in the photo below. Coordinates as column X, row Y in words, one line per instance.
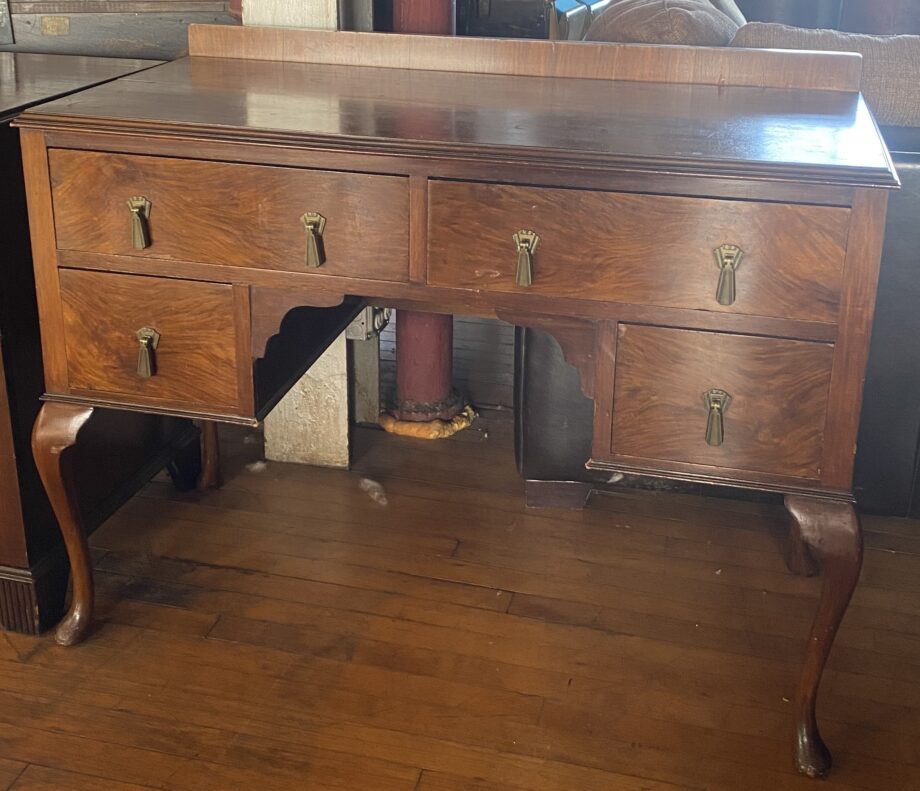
column 790, row 134
column 27, row 79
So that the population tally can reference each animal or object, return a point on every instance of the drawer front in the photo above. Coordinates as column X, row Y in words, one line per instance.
column 231, row 214
column 195, row 359
column 646, row 249
column 774, row 422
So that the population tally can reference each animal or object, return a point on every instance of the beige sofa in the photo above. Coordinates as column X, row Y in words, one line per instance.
column 891, row 64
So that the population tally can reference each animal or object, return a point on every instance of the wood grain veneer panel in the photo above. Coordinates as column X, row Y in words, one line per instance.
column 232, row 214
column 197, row 357
column 44, row 257
column 645, row 249
column 857, row 310
column 242, row 308
column 774, row 424
column 642, row 63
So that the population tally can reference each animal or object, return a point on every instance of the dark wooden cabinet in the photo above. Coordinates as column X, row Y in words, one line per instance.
column 121, row 450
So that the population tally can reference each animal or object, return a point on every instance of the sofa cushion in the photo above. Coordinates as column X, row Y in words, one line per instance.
column 730, row 9
column 691, row 22
column 891, row 64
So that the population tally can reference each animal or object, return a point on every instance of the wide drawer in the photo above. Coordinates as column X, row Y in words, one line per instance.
column 232, row 214
column 646, row 249
column 194, row 359
column 674, row 389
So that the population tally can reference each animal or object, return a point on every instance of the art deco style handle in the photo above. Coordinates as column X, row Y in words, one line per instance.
column 526, row 243
column 140, row 217
column 149, row 339
column 717, row 402
column 728, row 259
column 314, row 224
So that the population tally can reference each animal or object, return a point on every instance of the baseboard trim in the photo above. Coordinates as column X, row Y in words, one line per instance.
column 18, row 603
column 32, row 600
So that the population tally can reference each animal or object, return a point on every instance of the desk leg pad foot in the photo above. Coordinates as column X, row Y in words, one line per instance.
column 56, row 429
column 831, row 531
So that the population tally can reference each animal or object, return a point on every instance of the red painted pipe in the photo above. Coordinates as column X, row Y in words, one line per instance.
column 424, row 341
column 424, row 367
column 436, row 17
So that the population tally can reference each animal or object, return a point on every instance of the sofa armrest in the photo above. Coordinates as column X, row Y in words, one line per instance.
column 891, row 64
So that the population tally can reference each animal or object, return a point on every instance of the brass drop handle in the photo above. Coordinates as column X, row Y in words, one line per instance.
column 717, row 402
column 526, row 243
column 140, row 222
column 314, row 224
column 149, row 339
column 728, row 259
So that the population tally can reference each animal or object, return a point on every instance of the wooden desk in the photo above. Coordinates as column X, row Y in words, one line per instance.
column 699, row 229
column 33, row 566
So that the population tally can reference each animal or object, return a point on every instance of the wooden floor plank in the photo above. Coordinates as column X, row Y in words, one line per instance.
column 40, row 778
column 289, row 632
column 10, row 772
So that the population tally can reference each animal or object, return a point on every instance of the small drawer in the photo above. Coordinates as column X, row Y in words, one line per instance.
column 231, row 214
column 720, row 401
column 785, row 260
column 192, row 363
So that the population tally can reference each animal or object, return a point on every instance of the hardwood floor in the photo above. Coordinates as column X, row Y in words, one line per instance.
column 289, row 631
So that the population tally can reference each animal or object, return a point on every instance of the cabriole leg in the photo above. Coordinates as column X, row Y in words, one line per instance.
column 56, row 429
column 210, row 457
column 831, row 531
column 799, row 559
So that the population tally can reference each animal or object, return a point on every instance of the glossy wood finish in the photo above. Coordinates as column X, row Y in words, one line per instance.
column 637, row 63
column 56, row 430
column 723, row 131
column 794, row 172
column 774, row 424
column 832, row 531
column 864, row 251
column 27, row 79
column 196, row 359
column 645, row 249
column 234, row 215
